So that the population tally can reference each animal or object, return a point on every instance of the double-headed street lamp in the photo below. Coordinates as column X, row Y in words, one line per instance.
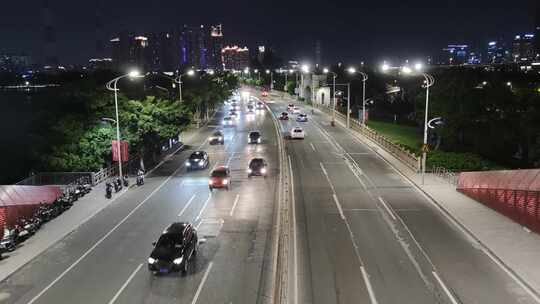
column 304, row 70
column 178, row 80
column 112, row 86
column 271, row 79
column 327, row 71
column 364, row 79
column 429, row 81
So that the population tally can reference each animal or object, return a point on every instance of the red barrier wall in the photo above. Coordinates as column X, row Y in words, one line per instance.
column 21, row 201
column 515, row 193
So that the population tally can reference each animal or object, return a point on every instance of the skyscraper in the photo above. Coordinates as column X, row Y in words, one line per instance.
column 235, row 58
column 131, row 51
column 164, row 51
column 215, row 61
column 537, row 30
column 194, row 47
column 49, row 57
column 523, row 48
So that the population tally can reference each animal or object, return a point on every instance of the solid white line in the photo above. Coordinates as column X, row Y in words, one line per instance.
column 338, row 205
column 327, row 178
column 214, row 167
column 230, row 158
column 204, row 207
column 368, row 286
column 387, row 208
column 446, row 290
column 103, row 238
column 312, row 146
column 187, row 205
column 295, row 242
column 234, row 205
column 196, row 297
column 513, row 276
column 119, row 292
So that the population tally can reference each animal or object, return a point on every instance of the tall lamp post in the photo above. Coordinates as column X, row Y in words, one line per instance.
column 305, row 70
column 112, row 86
column 327, row 71
column 178, row 80
column 364, row 79
column 429, row 81
column 271, row 79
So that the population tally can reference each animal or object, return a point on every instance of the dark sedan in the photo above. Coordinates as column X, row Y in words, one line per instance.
column 197, row 160
column 257, row 167
column 174, row 249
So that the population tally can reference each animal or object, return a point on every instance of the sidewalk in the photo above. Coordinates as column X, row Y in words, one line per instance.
column 83, row 209
column 508, row 244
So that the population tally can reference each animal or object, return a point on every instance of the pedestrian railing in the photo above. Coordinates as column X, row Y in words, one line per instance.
column 56, row 178
column 405, row 156
column 448, row 175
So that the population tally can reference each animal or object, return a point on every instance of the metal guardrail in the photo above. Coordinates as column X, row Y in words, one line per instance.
column 448, row 175
column 408, row 158
column 55, row 178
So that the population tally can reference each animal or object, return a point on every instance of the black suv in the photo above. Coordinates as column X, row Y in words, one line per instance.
column 254, row 137
column 217, row 138
column 257, row 167
column 197, row 160
column 174, row 249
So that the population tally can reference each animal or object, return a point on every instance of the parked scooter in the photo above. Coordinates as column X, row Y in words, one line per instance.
column 117, row 185
column 126, row 181
column 108, row 190
column 10, row 240
column 140, row 178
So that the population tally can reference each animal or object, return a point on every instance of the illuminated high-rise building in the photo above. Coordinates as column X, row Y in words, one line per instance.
column 215, row 46
column 235, row 58
column 523, row 48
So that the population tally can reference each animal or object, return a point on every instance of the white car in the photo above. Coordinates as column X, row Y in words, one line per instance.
column 296, row 110
column 228, row 121
column 297, row 133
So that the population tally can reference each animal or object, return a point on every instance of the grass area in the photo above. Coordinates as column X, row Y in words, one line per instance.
column 403, row 135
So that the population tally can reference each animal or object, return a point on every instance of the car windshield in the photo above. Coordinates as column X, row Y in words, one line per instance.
column 219, row 173
column 196, row 156
column 297, row 130
column 254, row 134
column 227, row 118
column 217, row 133
column 168, row 240
column 257, row 162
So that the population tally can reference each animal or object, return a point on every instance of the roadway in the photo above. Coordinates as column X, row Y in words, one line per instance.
column 362, row 234
column 104, row 260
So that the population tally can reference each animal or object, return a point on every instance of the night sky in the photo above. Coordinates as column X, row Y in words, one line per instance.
column 350, row 31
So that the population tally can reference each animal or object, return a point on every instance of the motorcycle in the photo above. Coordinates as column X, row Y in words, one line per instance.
column 118, row 184
column 9, row 241
column 140, row 180
column 126, row 181
column 108, row 190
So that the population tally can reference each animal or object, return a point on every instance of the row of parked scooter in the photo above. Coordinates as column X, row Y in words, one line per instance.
column 26, row 227
column 118, row 184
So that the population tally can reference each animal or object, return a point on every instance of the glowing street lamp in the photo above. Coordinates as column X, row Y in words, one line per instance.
column 418, row 67
column 327, row 71
column 365, row 77
column 112, row 86
column 385, row 67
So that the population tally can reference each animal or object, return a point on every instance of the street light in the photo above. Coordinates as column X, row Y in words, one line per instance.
column 112, row 86
column 271, row 79
column 385, row 67
column 327, row 71
column 428, row 82
column 178, row 80
column 364, row 79
column 418, row 66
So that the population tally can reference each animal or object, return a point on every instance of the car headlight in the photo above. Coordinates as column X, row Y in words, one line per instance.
column 259, row 140
column 210, row 182
column 178, row 261
column 225, row 181
column 188, row 163
column 263, row 170
column 249, row 171
column 151, row 261
column 201, row 162
column 220, row 138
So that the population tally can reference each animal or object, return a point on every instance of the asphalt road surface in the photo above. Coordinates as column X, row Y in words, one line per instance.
column 104, row 261
column 362, row 234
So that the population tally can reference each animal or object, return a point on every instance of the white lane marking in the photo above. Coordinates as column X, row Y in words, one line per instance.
column 368, row 286
column 445, row 288
column 327, row 178
column 512, row 275
column 104, row 237
column 119, row 292
column 187, row 205
column 295, row 242
column 215, row 166
column 204, row 207
column 338, row 205
column 230, row 158
column 234, row 205
column 196, row 297
column 312, row 146
column 387, row 208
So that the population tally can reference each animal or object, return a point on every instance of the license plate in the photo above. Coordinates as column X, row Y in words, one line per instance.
column 163, row 270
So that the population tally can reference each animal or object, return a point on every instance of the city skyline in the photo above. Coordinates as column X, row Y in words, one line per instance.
column 422, row 29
